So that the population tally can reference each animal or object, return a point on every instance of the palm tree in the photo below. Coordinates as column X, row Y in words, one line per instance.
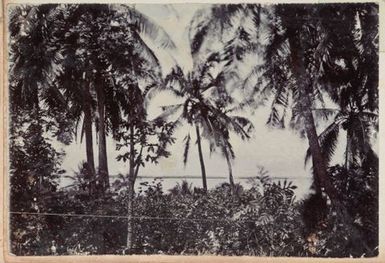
column 133, row 73
column 76, row 81
column 297, row 51
column 303, row 92
column 359, row 127
column 223, row 25
column 301, row 47
column 296, row 57
column 101, row 48
column 352, row 83
column 77, row 90
column 32, row 58
column 34, row 96
column 45, row 65
column 136, row 24
column 108, row 57
column 204, row 106
column 314, row 49
column 207, row 98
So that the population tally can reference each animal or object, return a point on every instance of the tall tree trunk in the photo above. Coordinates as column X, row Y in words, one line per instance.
column 305, row 88
column 89, row 140
column 103, row 164
column 323, row 180
column 203, row 169
column 229, row 166
column 319, row 165
column 305, row 93
column 37, row 120
column 347, row 149
column 130, row 199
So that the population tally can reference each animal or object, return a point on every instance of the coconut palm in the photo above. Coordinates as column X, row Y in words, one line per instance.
column 352, row 83
column 310, row 51
column 287, row 60
column 296, row 54
column 135, row 23
column 33, row 59
column 205, row 107
column 223, row 26
column 93, row 52
column 359, row 127
column 122, row 71
column 40, row 62
column 76, row 81
column 207, row 97
column 132, row 72
column 34, row 97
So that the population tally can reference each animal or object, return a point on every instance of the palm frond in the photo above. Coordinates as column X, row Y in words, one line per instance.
column 169, row 111
column 328, row 142
column 187, row 140
column 197, row 40
column 148, row 27
column 278, row 107
column 198, row 29
column 147, row 54
column 324, row 113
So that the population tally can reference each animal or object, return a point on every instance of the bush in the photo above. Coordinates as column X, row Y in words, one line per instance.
column 264, row 220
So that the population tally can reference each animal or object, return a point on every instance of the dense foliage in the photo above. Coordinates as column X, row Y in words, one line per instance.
column 262, row 220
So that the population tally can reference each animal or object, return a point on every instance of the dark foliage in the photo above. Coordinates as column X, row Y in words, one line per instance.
column 260, row 221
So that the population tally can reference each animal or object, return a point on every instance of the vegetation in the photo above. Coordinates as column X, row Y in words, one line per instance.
column 90, row 71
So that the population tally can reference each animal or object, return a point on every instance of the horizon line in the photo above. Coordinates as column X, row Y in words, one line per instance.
column 213, row 177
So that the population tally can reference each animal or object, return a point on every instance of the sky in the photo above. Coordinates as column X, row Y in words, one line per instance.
column 281, row 152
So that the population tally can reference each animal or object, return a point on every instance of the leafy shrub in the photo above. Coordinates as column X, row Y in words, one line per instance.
column 264, row 220
column 356, row 235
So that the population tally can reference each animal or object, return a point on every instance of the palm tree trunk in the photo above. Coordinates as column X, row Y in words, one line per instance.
column 89, row 140
column 203, row 169
column 103, row 164
column 319, row 165
column 37, row 120
column 305, row 93
column 304, row 86
column 347, row 150
column 321, row 177
column 229, row 166
column 130, row 189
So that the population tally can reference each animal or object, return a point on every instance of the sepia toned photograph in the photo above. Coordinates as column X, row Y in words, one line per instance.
column 193, row 129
